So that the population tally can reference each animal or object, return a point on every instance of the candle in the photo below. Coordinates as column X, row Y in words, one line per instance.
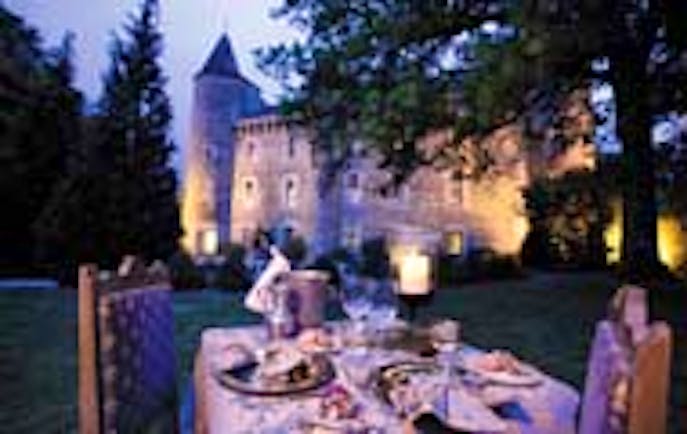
column 414, row 274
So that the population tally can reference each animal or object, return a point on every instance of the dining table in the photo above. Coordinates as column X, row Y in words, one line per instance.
column 549, row 407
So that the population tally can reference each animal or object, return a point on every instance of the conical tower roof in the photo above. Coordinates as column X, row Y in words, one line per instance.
column 221, row 61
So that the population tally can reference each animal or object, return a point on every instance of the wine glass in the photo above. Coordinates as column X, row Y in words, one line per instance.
column 355, row 302
column 445, row 338
column 383, row 304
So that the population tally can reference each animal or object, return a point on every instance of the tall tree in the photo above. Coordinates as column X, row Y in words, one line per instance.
column 393, row 71
column 134, row 147
column 39, row 124
column 119, row 196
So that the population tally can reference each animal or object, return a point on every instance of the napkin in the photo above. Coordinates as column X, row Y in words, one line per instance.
column 260, row 298
column 460, row 410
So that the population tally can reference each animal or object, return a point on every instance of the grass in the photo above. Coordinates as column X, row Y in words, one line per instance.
column 546, row 319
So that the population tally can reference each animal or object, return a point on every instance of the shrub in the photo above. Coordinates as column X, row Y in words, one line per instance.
column 296, row 249
column 374, row 258
column 484, row 264
column 567, row 219
column 327, row 264
column 233, row 273
column 184, row 272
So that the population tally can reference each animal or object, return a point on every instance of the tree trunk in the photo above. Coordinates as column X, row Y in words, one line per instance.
column 639, row 245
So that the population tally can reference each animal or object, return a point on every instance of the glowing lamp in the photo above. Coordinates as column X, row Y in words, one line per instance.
column 414, row 274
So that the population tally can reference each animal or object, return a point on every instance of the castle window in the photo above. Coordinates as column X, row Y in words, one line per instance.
column 251, row 149
column 292, row 147
column 250, row 186
column 352, row 181
column 290, row 191
column 455, row 243
column 351, row 237
column 455, row 191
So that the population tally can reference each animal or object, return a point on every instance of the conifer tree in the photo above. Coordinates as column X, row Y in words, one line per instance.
column 134, row 147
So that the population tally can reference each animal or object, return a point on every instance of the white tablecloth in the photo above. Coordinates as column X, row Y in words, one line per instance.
column 549, row 408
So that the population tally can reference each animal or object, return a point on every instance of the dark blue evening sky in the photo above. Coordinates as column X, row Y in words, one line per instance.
column 191, row 27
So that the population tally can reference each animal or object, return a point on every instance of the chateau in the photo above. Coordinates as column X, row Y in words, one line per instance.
column 248, row 168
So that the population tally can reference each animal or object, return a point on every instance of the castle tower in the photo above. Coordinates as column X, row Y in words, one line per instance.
column 221, row 97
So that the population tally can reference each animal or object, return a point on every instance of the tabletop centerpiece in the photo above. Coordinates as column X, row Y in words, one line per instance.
column 414, row 281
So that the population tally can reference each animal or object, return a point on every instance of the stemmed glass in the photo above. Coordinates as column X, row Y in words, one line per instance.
column 445, row 337
column 355, row 302
column 383, row 304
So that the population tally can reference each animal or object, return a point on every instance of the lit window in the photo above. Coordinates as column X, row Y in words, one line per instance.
column 209, row 242
column 454, row 243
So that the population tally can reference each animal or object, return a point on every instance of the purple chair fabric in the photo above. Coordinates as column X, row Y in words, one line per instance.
column 137, row 360
column 606, row 392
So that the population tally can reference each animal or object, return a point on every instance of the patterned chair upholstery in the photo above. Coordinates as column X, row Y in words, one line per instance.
column 651, row 381
column 127, row 362
column 629, row 311
column 605, row 399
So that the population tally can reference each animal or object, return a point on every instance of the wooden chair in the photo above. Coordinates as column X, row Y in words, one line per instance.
column 648, row 403
column 629, row 311
column 626, row 388
column 127, row 362
column 608, row 372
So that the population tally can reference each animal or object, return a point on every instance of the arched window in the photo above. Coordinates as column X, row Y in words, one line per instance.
column 249, row 187
column 291, row 147
column 290, row 191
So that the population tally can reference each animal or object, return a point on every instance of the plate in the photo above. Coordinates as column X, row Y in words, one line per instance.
column 527, row 375
column 318, row 370
column 454, row 408
column 389, row 376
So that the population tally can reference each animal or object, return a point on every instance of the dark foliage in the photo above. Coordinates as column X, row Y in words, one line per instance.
column 477, row 265
column 184, row 273
column 374, row 258
column 39, row 129
column 567, row 218
column 233, row 274
column 295, row 249
column 119, row 195
column 327, row 263
column 378, row 70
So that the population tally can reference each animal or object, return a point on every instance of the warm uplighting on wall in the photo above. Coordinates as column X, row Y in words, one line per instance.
column 613, row 235
column 671, row 242
column 672, row 248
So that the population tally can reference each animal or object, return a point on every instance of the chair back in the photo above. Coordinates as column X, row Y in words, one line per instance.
column 127, row 361
column 608, row 372
column 630, row 312
column 651, row 382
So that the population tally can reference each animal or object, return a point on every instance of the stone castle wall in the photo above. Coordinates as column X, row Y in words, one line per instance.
column 218, row 103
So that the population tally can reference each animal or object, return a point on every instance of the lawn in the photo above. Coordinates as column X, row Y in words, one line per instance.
column 545, row 318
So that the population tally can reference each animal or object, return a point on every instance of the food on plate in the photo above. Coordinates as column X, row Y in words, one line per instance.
column 314, row 340
column 499, row 361
column 235, row 356
column 338, row 404
column 283, row 364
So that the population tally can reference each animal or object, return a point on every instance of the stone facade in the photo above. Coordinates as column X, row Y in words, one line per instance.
column 221, row 97
column 248, row 169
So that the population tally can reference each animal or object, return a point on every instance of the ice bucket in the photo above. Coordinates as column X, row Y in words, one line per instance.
column 308, row 296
